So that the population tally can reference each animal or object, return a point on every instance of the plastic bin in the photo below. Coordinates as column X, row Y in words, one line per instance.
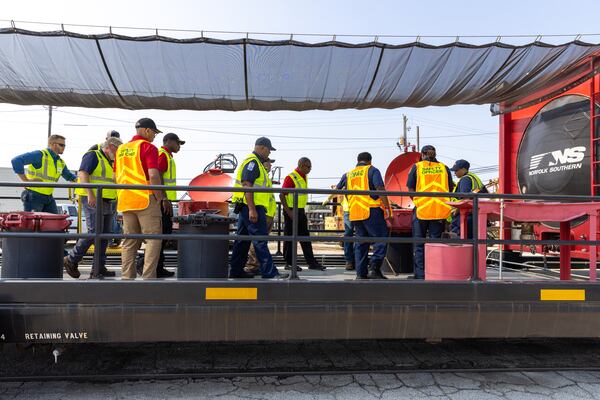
column 33, row 257
column 444, row 262
column 203, row 258
column 400, row 256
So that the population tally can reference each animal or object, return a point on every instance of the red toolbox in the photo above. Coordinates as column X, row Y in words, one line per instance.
column 27, row 221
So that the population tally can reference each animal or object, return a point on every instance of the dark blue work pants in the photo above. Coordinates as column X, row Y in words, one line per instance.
column 239, row 254
column 34, row 201
column 424, row 228
column 374, row 226
column 348, row 232
column 455, row 226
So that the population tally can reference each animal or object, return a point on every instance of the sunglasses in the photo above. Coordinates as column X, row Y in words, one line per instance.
column 60, row 144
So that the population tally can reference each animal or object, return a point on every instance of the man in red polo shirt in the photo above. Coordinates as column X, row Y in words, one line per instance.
column 298, row 179
column 147, row 220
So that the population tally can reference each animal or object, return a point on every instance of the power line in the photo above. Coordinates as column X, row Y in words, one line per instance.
column 291, row 34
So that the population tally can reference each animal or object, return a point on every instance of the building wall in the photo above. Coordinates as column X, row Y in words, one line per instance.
column 10, row 197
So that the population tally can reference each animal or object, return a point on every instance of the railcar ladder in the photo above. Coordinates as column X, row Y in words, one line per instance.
column 594, row 135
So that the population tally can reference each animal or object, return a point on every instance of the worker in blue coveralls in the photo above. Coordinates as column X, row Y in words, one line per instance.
column 252, row 210
column 468, row 183
column 430, row 213
column 43, row 166
column 368, row 215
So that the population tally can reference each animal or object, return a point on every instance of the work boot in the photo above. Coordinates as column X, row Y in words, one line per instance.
column 71, row 267
column 358, row 277
column 289, row 267
column 164, row 273
column 106, row 273
column 241, row 275
column 350, row 266
column 317, row 266
column 279, row 276
column 375, row 272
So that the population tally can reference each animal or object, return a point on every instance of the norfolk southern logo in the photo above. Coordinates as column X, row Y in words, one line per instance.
column 556, row 161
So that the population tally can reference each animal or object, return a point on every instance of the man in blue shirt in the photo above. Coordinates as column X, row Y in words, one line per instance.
column 252, row 211
column 468, row 183
column 372, row 224
column 44, row 166
column 422, row 228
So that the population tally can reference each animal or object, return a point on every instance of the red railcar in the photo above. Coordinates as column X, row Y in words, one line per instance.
column 547, row 149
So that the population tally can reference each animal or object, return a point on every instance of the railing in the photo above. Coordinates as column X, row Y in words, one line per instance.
column 98, row 236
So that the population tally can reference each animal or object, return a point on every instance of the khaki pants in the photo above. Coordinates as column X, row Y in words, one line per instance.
column 253, row 264
column 142, row 221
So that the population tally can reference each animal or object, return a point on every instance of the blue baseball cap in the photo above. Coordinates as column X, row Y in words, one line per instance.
column 460, row 164
column 263, row 141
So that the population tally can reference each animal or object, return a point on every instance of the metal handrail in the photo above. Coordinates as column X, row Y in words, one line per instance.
column 98, row 236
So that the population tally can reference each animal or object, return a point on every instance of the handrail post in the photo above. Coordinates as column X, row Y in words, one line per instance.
column 475, row 239
column 294, row 273
column 279, row 217
column 98, row 228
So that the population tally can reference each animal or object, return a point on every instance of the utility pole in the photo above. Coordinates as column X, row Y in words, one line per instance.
column 418, row 140
column 49, row 121
column 404, row 130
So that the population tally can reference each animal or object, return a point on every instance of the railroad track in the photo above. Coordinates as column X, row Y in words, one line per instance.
column 169, row 361
column 277, row 373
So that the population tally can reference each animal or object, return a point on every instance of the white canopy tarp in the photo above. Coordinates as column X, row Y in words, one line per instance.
column 69, row 69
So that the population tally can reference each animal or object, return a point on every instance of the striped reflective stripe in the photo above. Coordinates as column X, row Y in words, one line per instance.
column 562, row 295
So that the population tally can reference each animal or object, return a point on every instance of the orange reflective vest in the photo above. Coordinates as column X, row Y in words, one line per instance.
column 359, row 206
column 432, row 177
column 129, row 171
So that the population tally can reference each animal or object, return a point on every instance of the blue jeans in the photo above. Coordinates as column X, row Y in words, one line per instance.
column 239, row 253
column 81, row 247
column 348, row 232
column 34, row 201
column 374, row 226
column 424, row 228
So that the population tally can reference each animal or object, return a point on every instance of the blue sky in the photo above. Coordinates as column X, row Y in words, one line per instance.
column 336, row 151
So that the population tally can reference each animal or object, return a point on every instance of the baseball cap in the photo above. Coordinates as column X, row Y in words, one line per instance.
column 427, row 148
column 172, row 136
column 113, row 133
column 460, row 164
column 147, row 123
column 263, row 141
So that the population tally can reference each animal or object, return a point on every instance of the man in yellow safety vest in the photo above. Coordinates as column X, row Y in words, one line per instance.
column 468, row 182
column 368, row 214
column 253, row 265
column 430, row 213
column 96, row 167
column 252, row 209
column 166, row 166
column 136, row 163
column 42, row 166
column 297, row 179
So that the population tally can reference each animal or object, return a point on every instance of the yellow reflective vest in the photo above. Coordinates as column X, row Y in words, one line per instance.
column 129, row 171
column 47, row 172
column 170, row 175
column 300, row 183
column 432, row 177
column 260, row 199
column 359, row 206
column 103, row 173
